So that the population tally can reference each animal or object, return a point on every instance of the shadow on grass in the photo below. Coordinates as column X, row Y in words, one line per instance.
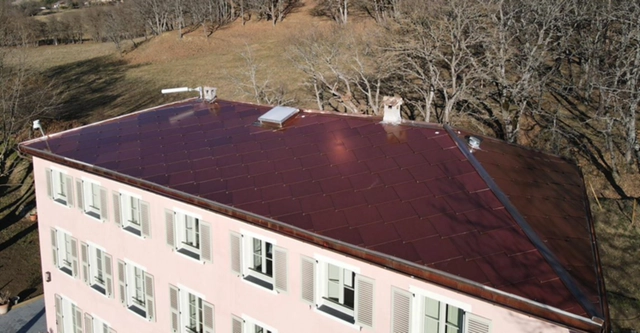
column 98, row 88
column 86, row 85
column 618, row 240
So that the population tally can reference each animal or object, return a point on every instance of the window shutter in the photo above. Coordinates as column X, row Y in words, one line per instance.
column 148, row 292
column 47, row 172
column 117, row 215
column 236, row 253
column 144, row 219
column 104, row 202
column 88, row 323
column 74, row 257
column 171, row 230
column 77, row 319
column 108, row 274
column 174, row 302
column 84, row 252
column 208, row 313
column 79, row 194
column 59, row 316
column 237, row 325
column 476, row 324
column 364, row 306
column 69, row 181
column 122, row 282
column 400, row 310
column 308, row 280
column 205, row 241
column 280, row 257
column 54, row 246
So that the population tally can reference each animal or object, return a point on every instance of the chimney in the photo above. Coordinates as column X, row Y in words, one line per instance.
column 392, row 110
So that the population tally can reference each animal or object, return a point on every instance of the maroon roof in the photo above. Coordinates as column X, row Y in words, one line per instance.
column 407, row 191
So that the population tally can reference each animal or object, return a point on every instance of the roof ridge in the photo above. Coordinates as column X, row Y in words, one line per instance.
column 546, row 253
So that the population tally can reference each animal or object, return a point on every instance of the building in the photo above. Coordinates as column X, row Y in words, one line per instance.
column 232, row 217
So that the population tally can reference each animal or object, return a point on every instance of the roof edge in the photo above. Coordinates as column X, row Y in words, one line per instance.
column 547, row 254
column 443, row 279
column 596, row 253
column 45, row 137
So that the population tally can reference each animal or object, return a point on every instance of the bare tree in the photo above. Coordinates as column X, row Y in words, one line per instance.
column 344, row 70
column 260, row 88
column 24, row 96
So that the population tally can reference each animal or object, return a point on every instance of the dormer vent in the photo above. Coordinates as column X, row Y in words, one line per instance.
column 277, row 116
column 474, row 142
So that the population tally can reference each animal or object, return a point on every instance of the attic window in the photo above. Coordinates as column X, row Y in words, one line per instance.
column 277, row 116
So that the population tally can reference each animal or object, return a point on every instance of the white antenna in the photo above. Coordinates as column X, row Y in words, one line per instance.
column 37, row 126
column 207, row 93
column 182, row 89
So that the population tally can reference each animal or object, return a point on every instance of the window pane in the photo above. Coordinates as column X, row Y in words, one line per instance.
column 432, row 308
column 349, row 297
column 269, row 260
column 99, row 265
column 349, row 276
column 431, row 325
column 454, row 318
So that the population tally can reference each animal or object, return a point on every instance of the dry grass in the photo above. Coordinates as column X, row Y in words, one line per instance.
column 19, row 243
column 619, row 240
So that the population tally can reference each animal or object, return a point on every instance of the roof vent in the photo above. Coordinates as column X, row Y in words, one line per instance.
column 277, row 116
column 473, row 142
column 392, row 110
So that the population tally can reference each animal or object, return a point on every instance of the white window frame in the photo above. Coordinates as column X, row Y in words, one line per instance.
column 96, row 267
column 248, row 271
column 59, row 187
column 322, row 286
column 91, row 208
column 68, row 314
column 131, row 215
column 65, row 258
column 132, row 289
column 419, row 310
column 99, row 325
column 182, row 219
column 252, row 325
column 185, row 309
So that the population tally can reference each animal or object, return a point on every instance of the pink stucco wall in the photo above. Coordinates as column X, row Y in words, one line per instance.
column 229, row 294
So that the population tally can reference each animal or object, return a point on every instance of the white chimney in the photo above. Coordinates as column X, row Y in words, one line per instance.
column 392, row 110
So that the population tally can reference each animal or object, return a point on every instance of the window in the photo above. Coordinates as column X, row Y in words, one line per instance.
column 68, row 315
column 136, row 289
column 65, row 252
column 59, row 187
column 96, row 324
column 338, row 290
column 97, row 269
column 434, row 313
column 131, row 213
column 249, row 325
column 189, row 235
column 190, row 313
column 441, row 317
column 92, row 199
column 258, row 260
